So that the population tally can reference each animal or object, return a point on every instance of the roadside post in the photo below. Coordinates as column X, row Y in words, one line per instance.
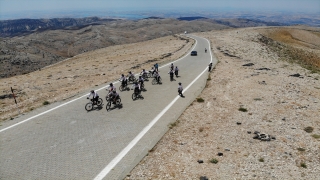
column 15, row 100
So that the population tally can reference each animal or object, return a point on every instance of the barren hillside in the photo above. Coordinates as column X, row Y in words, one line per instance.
column 74, row 75
column 260, row 114
column 257, row 118
column 30, row 44
column 24, row 54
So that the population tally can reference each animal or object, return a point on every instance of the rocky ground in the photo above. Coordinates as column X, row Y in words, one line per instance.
column 259, row 119
column 256, row 90
column 83, row 72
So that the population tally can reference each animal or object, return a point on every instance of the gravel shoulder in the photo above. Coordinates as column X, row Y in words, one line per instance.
column 276, row 103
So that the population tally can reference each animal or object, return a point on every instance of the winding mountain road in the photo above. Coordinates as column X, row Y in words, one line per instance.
column 63, row 141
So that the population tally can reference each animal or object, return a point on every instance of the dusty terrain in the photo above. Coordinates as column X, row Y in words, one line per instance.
column 83, row 72
column 27, row 53
column 283, row 106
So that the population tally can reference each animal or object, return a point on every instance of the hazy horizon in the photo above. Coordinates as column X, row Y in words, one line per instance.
column 17, row 9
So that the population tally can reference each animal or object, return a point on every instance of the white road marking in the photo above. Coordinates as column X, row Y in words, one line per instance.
column 45, row 112
column 118, row 158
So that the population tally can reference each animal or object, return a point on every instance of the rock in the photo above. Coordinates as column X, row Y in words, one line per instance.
column 256, row 132
column 249, row 64
column 200, row 161
column 262, row 82
column 238, row 123
column 295, row 75
column 256, row 137
column 220, row 154
column 203, row 178
column 227, row 149
column 262, row 137
column 249, row 132
column 267, row 69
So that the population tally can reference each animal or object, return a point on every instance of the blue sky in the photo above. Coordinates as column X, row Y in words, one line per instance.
column 29, row 8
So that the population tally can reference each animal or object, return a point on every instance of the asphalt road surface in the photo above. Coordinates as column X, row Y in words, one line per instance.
column 64, row 141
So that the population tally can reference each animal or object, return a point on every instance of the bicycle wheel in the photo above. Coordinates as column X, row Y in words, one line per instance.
column 108, row 106
column 118, row 102
column 160, row 80
column 121, row 88
column 134, row 96
column 99, row 102
column 154, row 81
column 149, row 75
column 89, row 106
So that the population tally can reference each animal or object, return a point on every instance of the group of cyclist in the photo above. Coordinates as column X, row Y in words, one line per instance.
column 138, row 84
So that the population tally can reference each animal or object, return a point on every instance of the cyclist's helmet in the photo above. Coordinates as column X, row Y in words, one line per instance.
column 122, row 74
column 179, row 83
column 130, row 72
column 139, row 76
column 92, row 91
column 143, row 69
column 111, row 84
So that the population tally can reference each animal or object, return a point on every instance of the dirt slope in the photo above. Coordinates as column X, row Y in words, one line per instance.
column 272, row 102
column 73, row 76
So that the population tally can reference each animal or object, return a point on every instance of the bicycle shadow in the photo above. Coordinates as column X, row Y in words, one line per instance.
column 96, row 108
column 120, row 106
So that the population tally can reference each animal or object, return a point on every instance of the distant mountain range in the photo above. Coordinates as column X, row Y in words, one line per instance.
column 31, row 44
column 11, row 28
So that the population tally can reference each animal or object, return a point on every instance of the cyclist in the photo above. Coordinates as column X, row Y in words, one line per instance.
column 171, row 74
column 111, row 87
column 123, row 80
column 171, row 66
column 141, row 80
column 180, row 89
column 137, row 88
column 130, row 75
column 113, row 95
column 157, row 76
column 144, row 73
column 152, row 71
column 176, row 70
column 210, row 66
column 95, row 96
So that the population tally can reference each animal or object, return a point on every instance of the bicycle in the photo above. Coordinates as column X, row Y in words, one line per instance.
column 124, row 88
column 109, row 103
column 89, row 106
column 154, row 81
column 131, row 79
column 150, row 74
column 145, row 76
column 136, row 95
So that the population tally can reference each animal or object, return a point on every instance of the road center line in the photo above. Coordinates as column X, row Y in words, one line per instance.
column 45, row 112
column 118, row 158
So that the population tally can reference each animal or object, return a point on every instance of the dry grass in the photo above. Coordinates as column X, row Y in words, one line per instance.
column 73, row 76
column 299, row 46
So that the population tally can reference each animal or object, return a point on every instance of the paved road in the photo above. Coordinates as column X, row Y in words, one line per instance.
column 69, row 143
